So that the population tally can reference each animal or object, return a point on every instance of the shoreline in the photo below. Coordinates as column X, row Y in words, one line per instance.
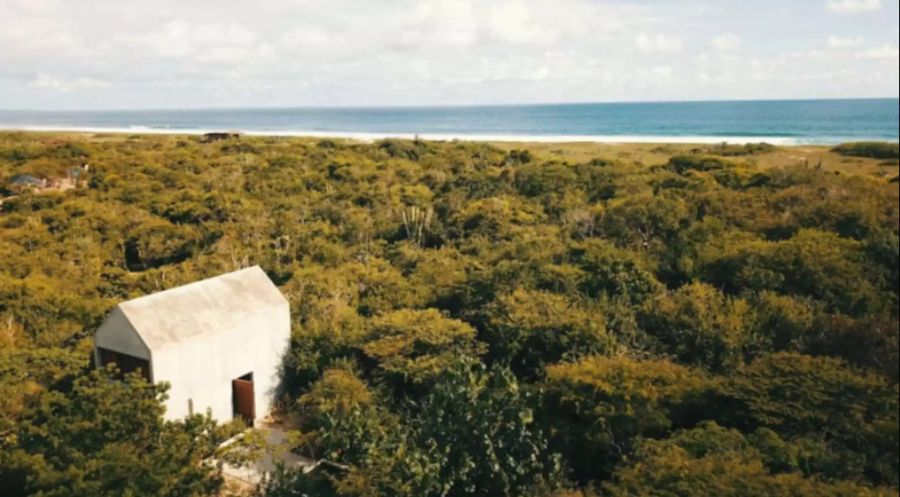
column 368, row 137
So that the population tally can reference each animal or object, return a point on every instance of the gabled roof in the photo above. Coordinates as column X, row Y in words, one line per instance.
column 26, row 179
column 208, row 306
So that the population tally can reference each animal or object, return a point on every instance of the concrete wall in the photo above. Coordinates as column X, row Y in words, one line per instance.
column 117, row 334
column 200, row 369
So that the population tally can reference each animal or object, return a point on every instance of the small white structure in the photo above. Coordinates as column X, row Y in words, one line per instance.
column 218, row 342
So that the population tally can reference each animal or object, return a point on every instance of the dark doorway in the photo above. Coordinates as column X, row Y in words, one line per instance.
column 124, row 362
column 242, row 398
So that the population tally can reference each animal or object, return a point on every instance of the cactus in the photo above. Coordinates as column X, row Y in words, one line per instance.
column 416, row 220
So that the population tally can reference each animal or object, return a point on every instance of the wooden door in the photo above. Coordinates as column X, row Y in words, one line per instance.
column 244, row 406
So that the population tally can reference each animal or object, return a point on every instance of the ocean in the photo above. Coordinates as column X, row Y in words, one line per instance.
column 773, row 121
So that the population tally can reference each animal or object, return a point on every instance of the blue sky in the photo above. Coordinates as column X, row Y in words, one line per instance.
column 103, row 54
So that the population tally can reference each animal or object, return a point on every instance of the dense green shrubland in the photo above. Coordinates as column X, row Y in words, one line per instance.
column 468, row 321
column 874, row 150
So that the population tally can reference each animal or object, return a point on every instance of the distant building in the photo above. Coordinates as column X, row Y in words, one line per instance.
column 219, row 135
column 74, row 178
column 218, row 342
column 25, row 181
column 77, row 172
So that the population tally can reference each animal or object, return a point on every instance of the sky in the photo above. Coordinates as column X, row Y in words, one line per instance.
column 139, row 54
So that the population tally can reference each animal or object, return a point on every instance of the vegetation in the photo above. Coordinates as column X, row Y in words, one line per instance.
column 874, row 150
column 727, row 149
column 469, row 319
column 106, row 438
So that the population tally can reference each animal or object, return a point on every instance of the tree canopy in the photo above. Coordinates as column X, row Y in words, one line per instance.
column 470, row 319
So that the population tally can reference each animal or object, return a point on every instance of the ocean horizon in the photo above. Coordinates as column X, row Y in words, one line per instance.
column 780, row 122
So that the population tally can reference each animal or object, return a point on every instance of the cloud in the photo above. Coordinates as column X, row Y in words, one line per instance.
column 882, row 52
column 307, row 37
column 203, row 42
column 844, row 42
column 202, row 53
column 659, row 43
column 37, row 6
column 726, row 42
column 440, row 22
column 514, row 22
column 44, row 81
column 852, row 6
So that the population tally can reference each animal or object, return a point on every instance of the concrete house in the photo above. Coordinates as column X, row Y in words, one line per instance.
column 218, row 342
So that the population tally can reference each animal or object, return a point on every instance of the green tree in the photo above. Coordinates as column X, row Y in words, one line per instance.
column 700, row 326
column 481, row 425
column 666, row 469
column 474, row 434
column 797, row 395
column 812, row 263
column 614, row 272
column 530, row 329
column 414, row 346
column 599, row 406
column 106, row 437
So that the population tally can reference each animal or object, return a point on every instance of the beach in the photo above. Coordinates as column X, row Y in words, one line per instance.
column 787, row 122
column 371, row 137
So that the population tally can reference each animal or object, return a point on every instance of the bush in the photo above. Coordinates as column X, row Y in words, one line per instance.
column 872, row 150
column 684, row 163
column 601, row 406
column 732, row 150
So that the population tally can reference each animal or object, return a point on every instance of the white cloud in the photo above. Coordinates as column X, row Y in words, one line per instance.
column 307, row 37
column 203, row 42
column 514, row 22
column 37, row 6
column 44, row 81
column 659, row 43
column 882, row 52
column 172, row 53
column 845, row 42
column 852, row 6
column 726, row 42
column 442, row 22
